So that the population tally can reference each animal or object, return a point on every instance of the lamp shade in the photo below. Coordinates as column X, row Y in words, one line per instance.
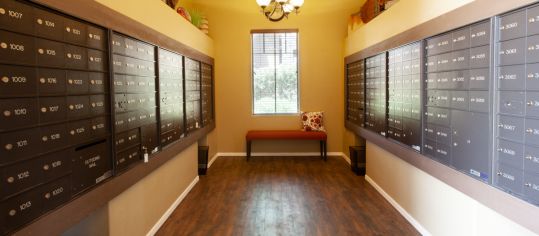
column 288, row 8
column 281, row 1
column 263, row 3
column 296, row 3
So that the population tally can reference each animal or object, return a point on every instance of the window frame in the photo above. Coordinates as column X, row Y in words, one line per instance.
column 263, row 31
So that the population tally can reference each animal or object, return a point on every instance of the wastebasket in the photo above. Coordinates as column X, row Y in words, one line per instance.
column 203, row 159
column 358, row 161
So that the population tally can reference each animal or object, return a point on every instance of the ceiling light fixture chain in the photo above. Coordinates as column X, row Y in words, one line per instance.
column 276, row 10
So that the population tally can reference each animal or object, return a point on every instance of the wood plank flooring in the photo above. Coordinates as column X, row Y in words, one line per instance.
column 284, row 196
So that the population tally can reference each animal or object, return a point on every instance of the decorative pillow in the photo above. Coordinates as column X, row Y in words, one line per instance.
column 313, row 121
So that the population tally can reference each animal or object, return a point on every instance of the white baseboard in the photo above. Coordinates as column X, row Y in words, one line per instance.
column 172, row 207
column 213, row 159
column 401, row 210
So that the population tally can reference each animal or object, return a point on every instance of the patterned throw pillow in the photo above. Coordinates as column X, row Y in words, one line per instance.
column 313, row 121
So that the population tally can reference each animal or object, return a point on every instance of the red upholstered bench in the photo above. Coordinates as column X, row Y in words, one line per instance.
column 287, row 135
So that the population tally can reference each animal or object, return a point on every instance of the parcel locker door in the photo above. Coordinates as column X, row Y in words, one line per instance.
column 91, row 165
column 470, row 148
column 17, row 16
column 17, row 113
column 17, row 81
column 149, row 138
column 412, row 133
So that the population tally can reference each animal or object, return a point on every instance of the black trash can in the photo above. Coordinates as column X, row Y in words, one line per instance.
column 358, row 161
column 203, row 159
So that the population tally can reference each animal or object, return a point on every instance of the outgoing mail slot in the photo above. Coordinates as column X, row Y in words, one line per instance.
column 19, row 177
column 76, row 57
column 479, row 79
column 51, row 81
column 18, row 145
column 459, row 100
column 480, row 57
column 531, row 187
column 48, row 25
column 512, row 103
column 17, row 81
column 98, row 82
column 512, row 77
column 480, row 34
column 511, row 128
column 91, row 165
column 479, row 101
column 99, row 126
column 510, row 153
column 96, row 38
column 56, row 164
column 531, row 159
column 74, row 32
column 512, row 52
column 127, row 158
column 78, row 106
column 121, row 122
column 512, row 25
column 97, row 60
column 98, row 105
column 77, row 82
column 19, row 210
column 509, row 178
column 17, row 16
column 127, row 139
column 532, row 53
column 16, row 113
column 52, row 109
column 53, row 137
column 79, row 131
column 56, row 193
column 532, row 104
column 18, row 49
column 461, row 38
column 49, row 53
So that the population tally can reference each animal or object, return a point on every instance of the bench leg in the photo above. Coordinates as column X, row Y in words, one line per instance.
column 325, row 151
column 322, row 149
column 248, row 144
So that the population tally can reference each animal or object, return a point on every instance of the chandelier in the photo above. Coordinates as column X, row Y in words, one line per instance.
column 276, row 10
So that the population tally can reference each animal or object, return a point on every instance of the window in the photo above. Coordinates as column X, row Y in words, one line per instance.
column 275, row 72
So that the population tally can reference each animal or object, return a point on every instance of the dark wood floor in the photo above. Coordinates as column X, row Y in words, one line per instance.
column 284, row 196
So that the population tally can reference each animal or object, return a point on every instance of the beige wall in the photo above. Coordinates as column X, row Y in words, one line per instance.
column 439, row 208
column 322, row 27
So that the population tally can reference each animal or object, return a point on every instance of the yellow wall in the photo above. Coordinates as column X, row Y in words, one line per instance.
column 439, row 208
column 322, row 27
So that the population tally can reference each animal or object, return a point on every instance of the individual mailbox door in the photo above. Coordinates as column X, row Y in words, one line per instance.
column 445, row 62
column 121, row 123
column 17, row 16
column 120, row 103
column 430, row 131
column 51, row 81
column 96, row 38
column 99, row 127
column 97, row 60
column 461, row 38
column 78, row 106
column 512, row 77
column 531, row 159
column 56, row 164
column 443, row 98
column 532, row 75
column 126, row 158
column 53, row 137
column 460, row 60
column 443, row 153
column 531, row 187
column 429, row 148
column 532, row 104
column 49, row 53
column 480, row 57
column 91, row 165
column 130, row 47
column 98, row 82
column 480, row 34
column 118, row 44
column 98, row 105
column 52, row 109
column 509, row 178
column 19, row 177
column 533, row 20
column 532, row 54
column 18, row 49
column 512, row 25
column 444, row 43
column 127, row 139
column 432, row 64
column 48, row 24
column 55, row 193
column 74, row 32
column 120, row 83
column 443, row 135
column 512, row 52
column 459, row 100
column 145, row 51
column 17, row 81
column 511, row 128
column 479, row 101
column 460, row 80
column 532, row 132
column 443, row 80
column 119, row 64
column 79, row 131
column 479, row 79
column 20, row 210
column 18, row 145
column 76, row 57
column 512, row 103
column 133, row 119
column 77, row 82
column 17, row 113
column 511, row 153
